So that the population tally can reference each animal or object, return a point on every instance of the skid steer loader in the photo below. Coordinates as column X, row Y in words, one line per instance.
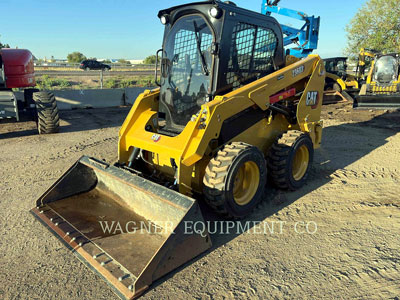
column 227, row 113
column 338, row 83
column 382, row 88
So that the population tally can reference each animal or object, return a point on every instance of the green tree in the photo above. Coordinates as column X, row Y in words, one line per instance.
column 107, row 61
column 376, row 26
column 4, row 45
column 75, row 57
column 150, row 60
column 123, row 62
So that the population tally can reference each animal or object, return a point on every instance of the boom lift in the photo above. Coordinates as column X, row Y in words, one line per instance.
column 17, row 71
column 225, row 115
column 306, row 37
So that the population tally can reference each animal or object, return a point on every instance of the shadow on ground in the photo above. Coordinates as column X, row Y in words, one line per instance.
column 336, row 153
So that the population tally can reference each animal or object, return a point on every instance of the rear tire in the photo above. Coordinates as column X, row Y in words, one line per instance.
column 48, row 120
column 235, row 179
column 290, row 159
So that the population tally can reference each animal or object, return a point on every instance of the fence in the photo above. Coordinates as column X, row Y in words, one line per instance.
column 60, row 66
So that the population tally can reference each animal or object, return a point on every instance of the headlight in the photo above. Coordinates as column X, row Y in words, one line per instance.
column 215, row 12
column 164, row 19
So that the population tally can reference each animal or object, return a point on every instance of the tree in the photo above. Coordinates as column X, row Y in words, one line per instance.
column 150, row 60
column 75, row 57
column 376, row 26
column 123, row 62
column 107, row 61
column 4, row 45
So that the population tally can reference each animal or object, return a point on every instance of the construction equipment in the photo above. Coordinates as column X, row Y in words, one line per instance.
column 306, row 41
column 365, row 58
column 306, row 37
column 339, row 85
column 382, row 88
column 17, row 71
column 337, row 78
column 225, row 115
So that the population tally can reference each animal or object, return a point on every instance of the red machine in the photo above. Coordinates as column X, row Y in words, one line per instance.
column 18, row 68
column 17, row 71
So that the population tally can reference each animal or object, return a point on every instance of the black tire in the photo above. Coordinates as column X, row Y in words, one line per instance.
column 231, row 162
column 282, row 160
column 48, row 120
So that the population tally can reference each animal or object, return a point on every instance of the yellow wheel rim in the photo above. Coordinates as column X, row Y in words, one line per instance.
column 246, row 183
column 300, row 162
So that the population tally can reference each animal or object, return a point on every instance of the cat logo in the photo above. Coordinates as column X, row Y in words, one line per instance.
column 312, row 99
column 156, row 137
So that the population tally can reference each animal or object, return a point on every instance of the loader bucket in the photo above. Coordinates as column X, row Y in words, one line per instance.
column 377, row 101
column 131, row 231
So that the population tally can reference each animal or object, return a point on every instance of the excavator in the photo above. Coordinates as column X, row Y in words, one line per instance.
column 225, row 118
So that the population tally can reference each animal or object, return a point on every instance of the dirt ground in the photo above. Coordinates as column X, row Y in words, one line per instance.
column 351, row 203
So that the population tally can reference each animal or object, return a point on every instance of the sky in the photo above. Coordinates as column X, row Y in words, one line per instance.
column 130, row 29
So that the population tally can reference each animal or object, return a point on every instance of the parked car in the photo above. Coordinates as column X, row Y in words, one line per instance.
column 90, row 64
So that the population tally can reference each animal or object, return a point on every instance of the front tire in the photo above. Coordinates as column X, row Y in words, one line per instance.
column 235, row 179
column 290, row 159
column 48, row 120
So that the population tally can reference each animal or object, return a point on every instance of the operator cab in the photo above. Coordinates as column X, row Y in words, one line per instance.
column 211, row 48
column 386, row 69
column 337, row 66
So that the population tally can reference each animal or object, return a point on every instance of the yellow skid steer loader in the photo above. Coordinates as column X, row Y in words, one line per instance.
column 382, row 87
column 227, row 113
column 337, row 81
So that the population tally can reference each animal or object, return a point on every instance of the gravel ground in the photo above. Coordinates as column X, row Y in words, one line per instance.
column 352, row 197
